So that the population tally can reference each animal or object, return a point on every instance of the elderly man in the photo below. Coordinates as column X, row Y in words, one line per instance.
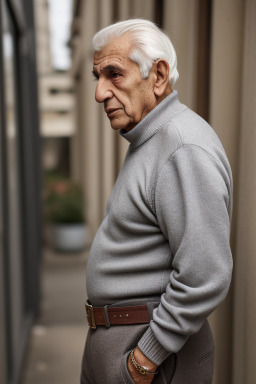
column 160, row 262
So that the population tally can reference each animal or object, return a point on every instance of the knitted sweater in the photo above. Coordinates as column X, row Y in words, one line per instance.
column 167, row 226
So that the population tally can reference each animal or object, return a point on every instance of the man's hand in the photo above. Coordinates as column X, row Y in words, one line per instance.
column 143, row 361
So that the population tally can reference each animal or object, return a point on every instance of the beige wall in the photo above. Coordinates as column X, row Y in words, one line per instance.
column 225, row 110
column 244, row 334
column 180, row 23
column 98, row 152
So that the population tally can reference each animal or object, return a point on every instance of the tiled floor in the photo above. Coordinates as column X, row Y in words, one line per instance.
column 57, row 339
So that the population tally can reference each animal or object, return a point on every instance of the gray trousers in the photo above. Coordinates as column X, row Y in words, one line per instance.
column 107, row 349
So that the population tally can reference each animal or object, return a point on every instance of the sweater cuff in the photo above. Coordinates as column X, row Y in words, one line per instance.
column 151, row 347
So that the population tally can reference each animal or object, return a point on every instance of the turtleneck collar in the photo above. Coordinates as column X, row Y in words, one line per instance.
column 150, row 124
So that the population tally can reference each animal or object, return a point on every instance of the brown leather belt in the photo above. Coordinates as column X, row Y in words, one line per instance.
column 116, row 315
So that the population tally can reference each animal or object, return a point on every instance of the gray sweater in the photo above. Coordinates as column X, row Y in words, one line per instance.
column 166, row 228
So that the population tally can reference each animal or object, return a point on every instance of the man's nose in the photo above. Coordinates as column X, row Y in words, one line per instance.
column 103, row 91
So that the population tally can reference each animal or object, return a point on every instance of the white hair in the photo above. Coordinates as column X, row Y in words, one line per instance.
column 149, row 42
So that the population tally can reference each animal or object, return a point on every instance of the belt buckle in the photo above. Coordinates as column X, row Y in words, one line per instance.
column 90, row 316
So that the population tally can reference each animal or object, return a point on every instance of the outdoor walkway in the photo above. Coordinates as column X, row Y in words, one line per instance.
column 57, row 339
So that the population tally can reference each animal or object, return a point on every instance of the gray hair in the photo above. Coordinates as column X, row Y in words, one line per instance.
column 150, row 43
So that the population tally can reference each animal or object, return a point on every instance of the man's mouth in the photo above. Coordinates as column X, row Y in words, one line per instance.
column 111, row 111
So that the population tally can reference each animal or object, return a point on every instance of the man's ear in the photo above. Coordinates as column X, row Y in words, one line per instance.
column 161, row 69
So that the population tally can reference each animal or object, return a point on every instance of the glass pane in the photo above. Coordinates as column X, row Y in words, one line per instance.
column 13, row 188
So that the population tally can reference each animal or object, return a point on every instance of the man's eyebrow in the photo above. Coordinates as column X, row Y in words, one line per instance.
column 110, row 67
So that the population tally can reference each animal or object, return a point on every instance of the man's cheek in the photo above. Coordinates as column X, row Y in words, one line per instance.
column 128, row 110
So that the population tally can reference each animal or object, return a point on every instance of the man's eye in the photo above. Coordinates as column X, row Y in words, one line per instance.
column 115, row 75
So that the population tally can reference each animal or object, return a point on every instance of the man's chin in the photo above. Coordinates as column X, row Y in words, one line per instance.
column 117, row 125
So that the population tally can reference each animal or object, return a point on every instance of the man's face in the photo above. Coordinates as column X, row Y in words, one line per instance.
column 126, row 96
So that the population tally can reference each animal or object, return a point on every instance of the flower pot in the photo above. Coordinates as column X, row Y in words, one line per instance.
column 69, row 237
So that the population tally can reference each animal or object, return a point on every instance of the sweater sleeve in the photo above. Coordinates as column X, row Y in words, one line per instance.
column 193, row 203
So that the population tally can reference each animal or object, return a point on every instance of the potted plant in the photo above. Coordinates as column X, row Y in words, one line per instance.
column 65, row 211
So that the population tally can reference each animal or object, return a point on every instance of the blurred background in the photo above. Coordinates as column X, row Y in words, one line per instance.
column 59, row 159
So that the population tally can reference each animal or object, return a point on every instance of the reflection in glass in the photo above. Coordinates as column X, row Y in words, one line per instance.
column 13, row 186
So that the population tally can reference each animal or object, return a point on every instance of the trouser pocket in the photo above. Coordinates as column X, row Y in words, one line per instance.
column 124, row 369
column 195, row 361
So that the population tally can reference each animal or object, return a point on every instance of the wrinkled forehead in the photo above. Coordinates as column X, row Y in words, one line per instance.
column 119, row 49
